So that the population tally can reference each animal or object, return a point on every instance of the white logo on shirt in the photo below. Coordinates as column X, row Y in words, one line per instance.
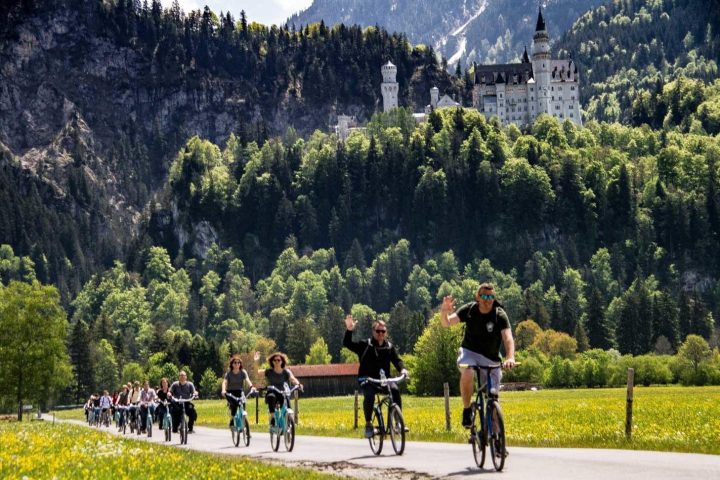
column 490, row 326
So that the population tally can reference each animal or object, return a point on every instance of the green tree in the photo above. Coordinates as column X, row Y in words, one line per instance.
column 318, row 354
column 132, row 372
column 209, row 384
column 106, row 367
column 34, row 362
column 436, row 355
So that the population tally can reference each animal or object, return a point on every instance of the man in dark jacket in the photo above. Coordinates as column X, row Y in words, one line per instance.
column 375, row 353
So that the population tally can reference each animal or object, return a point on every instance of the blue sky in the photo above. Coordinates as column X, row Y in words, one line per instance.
column 263, row 11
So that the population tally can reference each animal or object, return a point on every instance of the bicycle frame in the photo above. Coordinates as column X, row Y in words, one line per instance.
column 280, row 413
column 384, row 397
column 240, row 413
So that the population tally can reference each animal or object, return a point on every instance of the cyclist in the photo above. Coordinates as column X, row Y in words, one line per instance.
column 375, row 353
column 277, row 375
column 233, row 382
column 104, row 403
column 90, row 405
column 486, row 327
column 121, row 403
column 147, row 403
column 163, row 394
column 182, row 389
column 133, row 399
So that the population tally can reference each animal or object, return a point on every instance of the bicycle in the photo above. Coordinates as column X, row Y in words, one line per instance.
column 139, row 420
column 183, row 427
column 104, row 418
column 123, row 418
column 166, row 424
column 284, row 418
column 487, row 426
column 395, row 419
column 240, row 427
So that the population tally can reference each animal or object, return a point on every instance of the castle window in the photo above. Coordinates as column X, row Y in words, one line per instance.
column 572, row 88
column 561, row 115
column 532, row 89
column 501, row 95
column 560, row 98
column 552, row 88
column 572, row 97
column 553, row 98
column 571, row 115
column 560, row 88
column 557, row 107
column 571, row 106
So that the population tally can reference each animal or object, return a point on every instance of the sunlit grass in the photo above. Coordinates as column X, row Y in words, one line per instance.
column 683, row 419
column 41, row 450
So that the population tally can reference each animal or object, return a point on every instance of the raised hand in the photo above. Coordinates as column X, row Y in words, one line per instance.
column 448, row 304
column 350, row 323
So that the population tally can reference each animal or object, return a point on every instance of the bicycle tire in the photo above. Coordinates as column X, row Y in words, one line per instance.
column 235, row 432
column 289, row 435
column 149, row 424
column 376, row 440
column 123, row 419
column 396, row 426
column 275, row 435
column 138, row 423
column 183, row 430
column 477, row 436
column 246, row 433
column 497, row 437
column 167, row 427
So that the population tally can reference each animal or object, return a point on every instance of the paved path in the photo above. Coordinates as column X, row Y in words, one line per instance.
column 352, row 457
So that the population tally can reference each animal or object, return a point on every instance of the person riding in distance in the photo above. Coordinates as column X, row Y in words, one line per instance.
column 486, row 327
column 374, row 353
column 233, row 382
column 183, row 390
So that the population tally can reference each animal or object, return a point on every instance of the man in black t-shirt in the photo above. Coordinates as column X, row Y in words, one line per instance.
column 486, row 327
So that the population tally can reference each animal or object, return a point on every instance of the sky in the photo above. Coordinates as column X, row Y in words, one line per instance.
column 262, row 11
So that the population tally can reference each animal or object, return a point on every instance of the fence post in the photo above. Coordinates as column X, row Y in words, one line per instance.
column 628, row 405
column 257, row 409
column 446, row 392
column 355, row 410
column 297, row 410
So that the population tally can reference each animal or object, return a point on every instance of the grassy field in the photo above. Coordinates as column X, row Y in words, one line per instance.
column 682, row 419
column 40, row 450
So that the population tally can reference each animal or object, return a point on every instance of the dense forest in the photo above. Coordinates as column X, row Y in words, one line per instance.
column 629, row 50
column 600, row 239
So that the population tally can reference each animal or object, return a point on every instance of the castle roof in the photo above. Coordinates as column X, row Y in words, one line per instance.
column 525, row 57
column 540, row 21
column 509, row 72
column 563, row 71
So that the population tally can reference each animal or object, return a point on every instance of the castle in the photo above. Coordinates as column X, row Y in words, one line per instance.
column 517, row 92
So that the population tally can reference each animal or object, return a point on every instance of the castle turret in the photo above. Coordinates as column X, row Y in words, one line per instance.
column 541, row 64
column 434, row 97
column 389, row 87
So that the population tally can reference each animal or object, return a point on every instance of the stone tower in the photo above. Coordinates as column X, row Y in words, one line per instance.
column 389, row 87
column 541, row 64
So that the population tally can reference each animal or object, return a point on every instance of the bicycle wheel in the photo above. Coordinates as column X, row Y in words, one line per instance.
column 235, row 432
column 289, row 432
column 124, row 422
column 376, row 441
column 149, row 424
column 477, row 436
column 138, row 423
column 396, row 425
column 246, row 433
column 275, row 434
column 183, row 430
column 497, row 437
column 167, row 427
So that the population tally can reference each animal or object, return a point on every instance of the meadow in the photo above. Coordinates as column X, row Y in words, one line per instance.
column 681, row 419
column 40, row 450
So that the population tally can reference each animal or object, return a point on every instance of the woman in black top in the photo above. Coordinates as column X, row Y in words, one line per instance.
column 277, row 375
column 233, row 382
column 163, row 392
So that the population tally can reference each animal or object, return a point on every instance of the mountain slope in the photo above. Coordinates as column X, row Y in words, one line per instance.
column 485, row 31
column 628, row 49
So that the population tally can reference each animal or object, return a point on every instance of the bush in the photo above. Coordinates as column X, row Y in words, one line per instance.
column 435, row 359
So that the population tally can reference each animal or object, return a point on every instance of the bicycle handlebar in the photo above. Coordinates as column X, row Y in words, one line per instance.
column 484, row 367
column 283, row 392
column 364, row 380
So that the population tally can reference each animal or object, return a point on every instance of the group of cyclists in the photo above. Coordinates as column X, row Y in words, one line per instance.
column 134, row 401
column 487, row 328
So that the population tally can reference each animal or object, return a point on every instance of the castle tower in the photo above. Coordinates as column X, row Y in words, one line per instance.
column 434, row 97
column 541, row 64
column 389, row 87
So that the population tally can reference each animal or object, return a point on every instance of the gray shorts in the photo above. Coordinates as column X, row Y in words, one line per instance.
column 468, row 357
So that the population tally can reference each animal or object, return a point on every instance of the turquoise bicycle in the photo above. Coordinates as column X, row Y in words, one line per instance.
column 240, row 428
column 166, row 420
column 284, row 420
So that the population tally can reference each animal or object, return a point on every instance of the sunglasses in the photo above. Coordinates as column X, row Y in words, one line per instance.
column 277, row 359
column 380, row 331
column 486, row 296
column 235, row 362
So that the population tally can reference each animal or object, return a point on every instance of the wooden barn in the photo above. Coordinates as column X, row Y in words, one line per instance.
column 327, row 380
